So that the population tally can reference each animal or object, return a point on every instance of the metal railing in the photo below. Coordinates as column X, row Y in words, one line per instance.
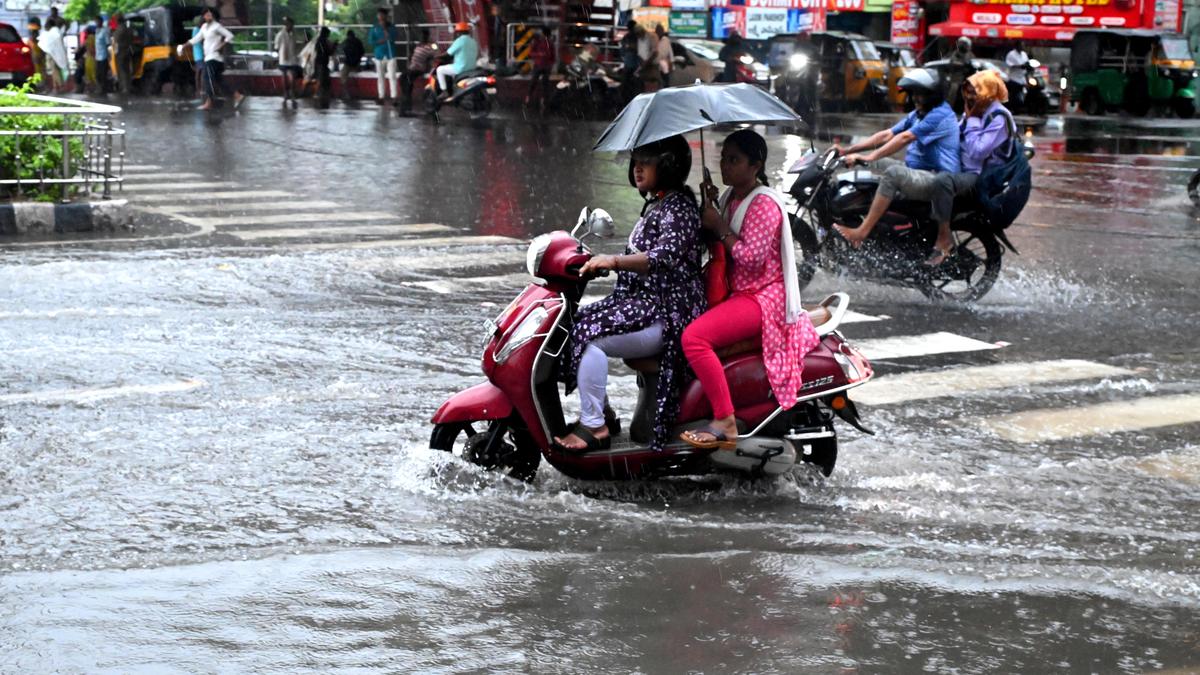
column 260, row 40
column 94, row 124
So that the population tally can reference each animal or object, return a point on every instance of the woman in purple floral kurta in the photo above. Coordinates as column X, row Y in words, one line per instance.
column 659, row 291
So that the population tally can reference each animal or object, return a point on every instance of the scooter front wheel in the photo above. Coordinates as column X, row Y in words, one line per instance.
column 499, row 447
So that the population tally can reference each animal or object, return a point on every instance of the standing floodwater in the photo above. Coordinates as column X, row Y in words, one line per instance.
column 214, row 449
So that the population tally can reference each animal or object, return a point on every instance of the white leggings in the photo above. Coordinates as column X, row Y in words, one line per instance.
column 593, row 367
column 445, row 76
column 387, row 67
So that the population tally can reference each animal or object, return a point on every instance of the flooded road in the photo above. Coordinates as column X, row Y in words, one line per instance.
column 214, row 449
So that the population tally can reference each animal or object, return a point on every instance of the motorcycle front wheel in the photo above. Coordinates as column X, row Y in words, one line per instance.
column 968, row 274
column 516, row 454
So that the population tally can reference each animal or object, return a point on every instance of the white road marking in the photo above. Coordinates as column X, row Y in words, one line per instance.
column 282, row 218
column 233, row 206
column 216, row 197
column 908, row 346
column 152, row 176
column 1103, row 418
column 291, row 233
column 148, row 187
column 974, row 379
column 141, row 168
column 455, row 261
column 450, row 286
column 96, row 394
column 414, row 243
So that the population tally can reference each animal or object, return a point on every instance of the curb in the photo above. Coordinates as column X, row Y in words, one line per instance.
column 44, row 218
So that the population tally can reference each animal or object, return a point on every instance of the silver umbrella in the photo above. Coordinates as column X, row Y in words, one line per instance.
column 679, row 110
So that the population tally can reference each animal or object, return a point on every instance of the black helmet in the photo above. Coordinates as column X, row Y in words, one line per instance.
column 673, row 158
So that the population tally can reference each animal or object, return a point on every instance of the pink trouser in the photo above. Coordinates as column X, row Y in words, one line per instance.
column 738, row 318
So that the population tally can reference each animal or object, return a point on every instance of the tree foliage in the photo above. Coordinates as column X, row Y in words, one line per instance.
column 85, row 10
column 30, row 157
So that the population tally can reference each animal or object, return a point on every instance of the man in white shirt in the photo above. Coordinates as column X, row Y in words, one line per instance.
column 289, row 63
column 214, row 37
column 1017, row 60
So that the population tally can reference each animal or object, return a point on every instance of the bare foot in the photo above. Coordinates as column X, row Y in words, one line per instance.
column 573, row 442
column 854, row 235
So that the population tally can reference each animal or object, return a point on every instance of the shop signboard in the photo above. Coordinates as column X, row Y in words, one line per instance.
column 906, row 24
column 689, row 24
column 1052, row 13
column 652, row 16
column 764, row 19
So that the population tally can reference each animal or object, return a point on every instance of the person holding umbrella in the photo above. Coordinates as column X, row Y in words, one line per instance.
column 764, row 301
column 658, row 292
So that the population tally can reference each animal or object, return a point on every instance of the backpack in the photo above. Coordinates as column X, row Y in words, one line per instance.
column 1003, row 189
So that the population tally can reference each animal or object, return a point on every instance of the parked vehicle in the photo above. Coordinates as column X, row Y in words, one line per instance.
column 157, row 32
column 16, row 63
column 1132, row 70
column 851, row 70
column 901, row 242
column 701, row 60
column 473, row 91
column 509, row 422
column 897, row 60
column 589, row 88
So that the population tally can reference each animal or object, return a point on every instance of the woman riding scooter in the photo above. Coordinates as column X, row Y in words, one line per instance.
column 765, row 297
column 658, row 292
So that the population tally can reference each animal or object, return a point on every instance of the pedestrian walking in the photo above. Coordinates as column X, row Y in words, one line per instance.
column 541, row 52
column 324, row 51
column 214, row 37
column 89, row 59
column 289, row 63
column 103, row 47
column 629, row 58
column 55, row 20
column 35, row 52
column 352, row 54
column 122, row 44
column 420, row 63
column 81, row 54
column 55, row 49
column 383, row 39
column 664, row 55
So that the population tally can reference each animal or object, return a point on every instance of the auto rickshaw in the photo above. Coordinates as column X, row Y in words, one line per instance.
column 157, row 31
column 1133, row 70
column 851, row 71
column 898, row 60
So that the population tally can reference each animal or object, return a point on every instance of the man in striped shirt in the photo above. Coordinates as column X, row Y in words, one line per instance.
column 420, row 62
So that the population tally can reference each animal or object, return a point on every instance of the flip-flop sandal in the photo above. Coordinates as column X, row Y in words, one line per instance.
column 610, row 420
column 592, row 443
column 719, row 442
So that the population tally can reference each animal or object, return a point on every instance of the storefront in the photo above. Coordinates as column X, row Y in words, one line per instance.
column 1053, row 20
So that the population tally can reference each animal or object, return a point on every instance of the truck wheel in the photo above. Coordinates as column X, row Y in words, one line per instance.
column 1092, row 103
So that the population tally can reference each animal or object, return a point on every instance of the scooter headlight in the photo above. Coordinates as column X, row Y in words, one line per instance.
column 798, row 61
column 525, row 331
column 746, row 59
column 1031, row 82
column 533, row 257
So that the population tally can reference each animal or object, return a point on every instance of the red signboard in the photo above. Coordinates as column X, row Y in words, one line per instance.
column 907, row 28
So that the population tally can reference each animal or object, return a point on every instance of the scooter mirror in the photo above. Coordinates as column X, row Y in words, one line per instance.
column 600, row 224
column 583, row 216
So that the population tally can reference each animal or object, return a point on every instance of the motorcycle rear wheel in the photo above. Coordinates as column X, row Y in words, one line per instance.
column 517, row 455
column 968, row 274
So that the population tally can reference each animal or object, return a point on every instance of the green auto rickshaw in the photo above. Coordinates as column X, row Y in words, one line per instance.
column 1132, row 70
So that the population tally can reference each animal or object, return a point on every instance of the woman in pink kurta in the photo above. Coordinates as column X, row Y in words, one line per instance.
column 765, row 297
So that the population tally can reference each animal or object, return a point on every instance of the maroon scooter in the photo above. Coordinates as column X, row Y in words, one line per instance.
column 509, row 422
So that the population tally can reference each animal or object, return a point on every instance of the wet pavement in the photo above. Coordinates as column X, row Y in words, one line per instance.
column 214, row 429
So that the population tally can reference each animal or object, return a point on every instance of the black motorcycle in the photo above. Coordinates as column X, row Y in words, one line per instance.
column 589, row 89
column 1032, row 100
column 900, row 244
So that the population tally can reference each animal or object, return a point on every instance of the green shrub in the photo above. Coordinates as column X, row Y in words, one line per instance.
column 38, row 156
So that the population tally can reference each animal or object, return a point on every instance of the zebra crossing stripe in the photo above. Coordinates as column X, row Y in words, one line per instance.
column 909, row 346
column 1056, row 424
column 161, row 176
column 975, row 379
column 424, row 242
column 149, row 187
column 298, row 232
column 227, row 206
column 90, row 394
column 287, row 218
column 141, row 168
column 216, row 196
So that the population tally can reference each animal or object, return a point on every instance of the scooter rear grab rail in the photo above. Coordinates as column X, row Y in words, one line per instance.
column 837, row 314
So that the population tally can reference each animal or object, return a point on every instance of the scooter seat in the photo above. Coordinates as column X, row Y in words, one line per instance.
column 651, row 364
